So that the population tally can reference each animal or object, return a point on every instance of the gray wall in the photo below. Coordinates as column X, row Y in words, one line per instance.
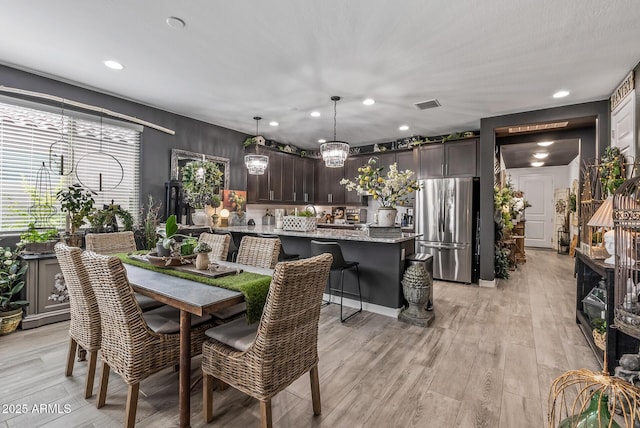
column 191, row 134
column 590, row 148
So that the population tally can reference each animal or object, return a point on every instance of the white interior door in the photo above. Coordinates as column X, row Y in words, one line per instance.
column 623, row 128
column 538, row 191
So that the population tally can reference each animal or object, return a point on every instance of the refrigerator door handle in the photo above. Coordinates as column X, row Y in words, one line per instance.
column 443, row 246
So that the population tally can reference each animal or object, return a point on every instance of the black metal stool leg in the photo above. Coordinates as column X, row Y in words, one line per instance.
column 342, row 294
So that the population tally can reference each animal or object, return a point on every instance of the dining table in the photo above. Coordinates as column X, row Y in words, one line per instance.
column 190, row 297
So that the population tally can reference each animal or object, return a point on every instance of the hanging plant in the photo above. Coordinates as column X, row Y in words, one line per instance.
column 200, row 181
column 612, row 170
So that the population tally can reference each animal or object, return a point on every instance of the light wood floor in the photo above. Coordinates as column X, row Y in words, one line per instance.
column 487, row 361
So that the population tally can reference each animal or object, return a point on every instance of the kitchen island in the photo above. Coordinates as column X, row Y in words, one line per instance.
column 381, row 261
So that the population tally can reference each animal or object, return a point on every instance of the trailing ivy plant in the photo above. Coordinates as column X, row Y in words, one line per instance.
column 501, row 263
column 612, row 170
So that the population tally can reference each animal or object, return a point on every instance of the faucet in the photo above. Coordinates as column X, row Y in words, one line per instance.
column 311, row 208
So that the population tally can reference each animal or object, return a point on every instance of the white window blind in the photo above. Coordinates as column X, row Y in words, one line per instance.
column 27, row 134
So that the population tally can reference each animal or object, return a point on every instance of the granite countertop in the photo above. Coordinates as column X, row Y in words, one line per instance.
column 322, row 233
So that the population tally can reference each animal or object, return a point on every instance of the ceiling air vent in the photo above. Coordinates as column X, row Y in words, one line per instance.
column 427, row 104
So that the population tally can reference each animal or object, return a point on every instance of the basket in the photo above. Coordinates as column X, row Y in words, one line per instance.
column 628, row 320
column 10, row 321
column 299, row 224
column 600, row 339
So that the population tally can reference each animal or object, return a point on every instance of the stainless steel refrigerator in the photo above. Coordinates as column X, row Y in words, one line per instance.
column 444, row 215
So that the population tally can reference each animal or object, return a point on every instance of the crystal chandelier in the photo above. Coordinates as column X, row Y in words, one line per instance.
column 256, row 164
column 334, row 153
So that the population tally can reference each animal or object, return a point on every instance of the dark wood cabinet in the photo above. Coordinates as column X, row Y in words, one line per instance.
column 589, row 273
column 288, row 179
column 451, row 159
column 408, row 160
column 329, row 189
column 305, row 180
column 351, row 171
column 431, row 161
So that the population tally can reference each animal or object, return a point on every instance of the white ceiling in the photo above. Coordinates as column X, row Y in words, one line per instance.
column 281, row 59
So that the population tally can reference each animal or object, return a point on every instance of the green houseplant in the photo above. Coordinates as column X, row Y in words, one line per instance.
column 12, row 272
column 78, row 203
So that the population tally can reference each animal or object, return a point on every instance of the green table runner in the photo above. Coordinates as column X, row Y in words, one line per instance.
column 254, row 286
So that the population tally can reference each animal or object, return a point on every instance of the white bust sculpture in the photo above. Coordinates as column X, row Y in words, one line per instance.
column 610, row 246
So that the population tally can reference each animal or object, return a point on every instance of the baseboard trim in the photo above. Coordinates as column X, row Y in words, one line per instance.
column 369, row 307
column 487, row 284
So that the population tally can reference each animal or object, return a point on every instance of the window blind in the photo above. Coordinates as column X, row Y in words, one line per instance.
column 98, row 148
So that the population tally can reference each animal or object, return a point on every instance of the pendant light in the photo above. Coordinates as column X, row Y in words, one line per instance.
column 256, row 164
column 334, row 153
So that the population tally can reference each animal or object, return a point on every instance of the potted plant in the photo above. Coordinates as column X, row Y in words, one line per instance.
column 202, row 259
column 37, row 240
column 78, row 203
column 200, row 183
column 146, row 232
column 167, row 236
column 393, row 189
column 12, row 272
column 106, row 219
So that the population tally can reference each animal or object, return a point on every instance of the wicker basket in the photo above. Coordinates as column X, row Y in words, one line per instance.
column 600, row 339
column 300, row 224
column 628, row 321
column 9, row 321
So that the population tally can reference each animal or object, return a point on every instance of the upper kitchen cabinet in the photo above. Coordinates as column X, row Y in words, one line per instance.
column 408, row 159
column 304, row 180
column 351, row 172
column 451, row 159
column 329, row 189
column 288, row 179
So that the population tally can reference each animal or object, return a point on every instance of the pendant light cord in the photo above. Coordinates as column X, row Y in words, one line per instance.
column 335, row 104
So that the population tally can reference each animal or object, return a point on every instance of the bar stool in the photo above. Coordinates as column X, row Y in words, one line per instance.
column 282, row 257
column 339, row 264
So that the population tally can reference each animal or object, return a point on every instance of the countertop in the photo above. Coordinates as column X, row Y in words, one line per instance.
column 322, row 233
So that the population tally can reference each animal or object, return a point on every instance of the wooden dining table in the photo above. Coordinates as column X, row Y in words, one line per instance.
column 190, row 297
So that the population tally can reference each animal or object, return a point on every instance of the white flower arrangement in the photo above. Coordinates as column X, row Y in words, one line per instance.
column 394, row 188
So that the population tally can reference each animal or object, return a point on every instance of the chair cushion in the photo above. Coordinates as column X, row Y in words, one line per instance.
column 237, row 334
column 166, row 320
column 146, row 303
column 230, row 312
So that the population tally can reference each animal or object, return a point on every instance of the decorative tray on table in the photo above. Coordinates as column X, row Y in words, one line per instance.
column 163, row 261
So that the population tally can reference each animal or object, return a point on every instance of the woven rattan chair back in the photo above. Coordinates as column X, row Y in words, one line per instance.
column 124, row 331
column 111, row 243
column 219, row 245
column 259, row 252
column 287, row 337
column 84, row 326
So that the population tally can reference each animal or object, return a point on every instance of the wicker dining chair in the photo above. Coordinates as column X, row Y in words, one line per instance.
column 219, row 245
column 259, row 252
column 84, row 327
column 262, row 359
column 134, row 344
column 118, row 242
column 110, row 243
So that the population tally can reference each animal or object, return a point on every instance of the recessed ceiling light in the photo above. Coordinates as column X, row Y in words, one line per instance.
column 315, row 114
column 403, row 127
column 537, row 163
column 545, row 143
column 322, row 140
column 114, row 65
column 175, row 22
column 561, row 94
column 540, row 155
column 274, row 123
column 369, row 101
